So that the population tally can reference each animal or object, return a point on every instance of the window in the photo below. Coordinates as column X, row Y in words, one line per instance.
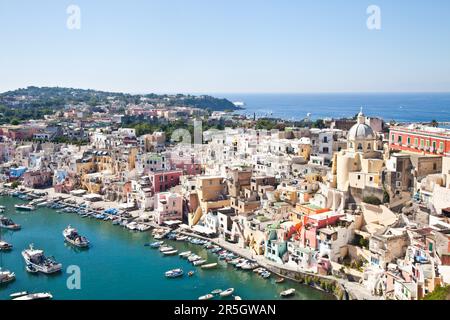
column 393, row 138
column 409, row 140
column 371, row 179
column 359, row 177
column 422, row 143
column 399, row 139
column 434, row 146
column 416, row 142
column 360, row 147
column 441, row 146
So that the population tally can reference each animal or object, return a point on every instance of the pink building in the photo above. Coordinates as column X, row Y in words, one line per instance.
column 309, row 233
column 164, row 180
column 168, row 206
column 37, row 179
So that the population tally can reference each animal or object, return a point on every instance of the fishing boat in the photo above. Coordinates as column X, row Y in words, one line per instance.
column 208, row 296
column 287, row 293
column 175, row 273
column 199, row 262
column 185, row 254
column 209, row 266
column 216, row 291
column 6, row 276
column 156, row 244
column 72, row 236
column 227, row 292
column 36, row 296
column 24, row 207
column 38, row 260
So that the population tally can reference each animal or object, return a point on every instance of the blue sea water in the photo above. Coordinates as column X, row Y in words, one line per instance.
column 119, row 266
column 402, row 107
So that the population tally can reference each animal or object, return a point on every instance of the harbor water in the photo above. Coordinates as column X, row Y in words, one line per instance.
column 119, row 266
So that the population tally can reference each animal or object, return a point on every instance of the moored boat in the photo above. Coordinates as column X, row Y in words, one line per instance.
column 18, row 294
column 185, row 254
column 5, row 246
column 156, row 244
column 287, row 293
column 206, row 297
column 170, row 253
column 216, row 291
column 227, row 292
column 35, row 296
column 6, row 276
column 7, row 223
column 199, row 262
column 72, row 236
column 209, row 265
column 175, row 273
column 24, row 207
column 279, row 280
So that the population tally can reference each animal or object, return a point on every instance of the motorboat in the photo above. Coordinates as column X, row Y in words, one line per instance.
column 265, row 274
column 208, row 296
column 175, row 273
column 24, row 207
column 185, row 254
column 194, row 257
column 170, row 253
column 165, row 248
column 156, row 244
column 6, row 276
column 237, row 298
column 216, row 291
column 18, row 294
column 227, row 292
column 209, row 266
column 5, row 246
column 7, row 223
column 279, row 280
column 249, row 266
column 181, row 238
column 36, row 296
column 199, row 262
column 72, row 236
column 38, row 260
column 287, row 293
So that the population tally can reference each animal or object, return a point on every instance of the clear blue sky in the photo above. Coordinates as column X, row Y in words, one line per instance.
column 231, row 46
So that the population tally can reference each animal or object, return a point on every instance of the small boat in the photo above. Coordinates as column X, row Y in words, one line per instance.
column 7, row 223
column 287, row 293
column 35, row 296
column 156, row 244
column 175, row 273
column 181, row 238
column 191, row 273
column 216, row 291
column 209, row 265
column 185, row 254
column 6, row 276
column 227, row 292
column 237, row 298
column 18, row 294
column 265, row 275
column 165, row 248
column 208, row 296
column 279, row 280
column 199, row 262
column 194, row 257
column 72, row 236
column 24, row 207
column 5, row 246
column 170, row 253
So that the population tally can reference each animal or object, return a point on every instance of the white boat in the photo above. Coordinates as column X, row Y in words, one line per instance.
column 199, row 262
column 6, row 276
column 7, row 223
column 72, row 236
column 237, row 298
column 24, row 207
column 175, row 273
column 216, row 291
column 143, row 227
column 185, row 254
column 181, row 238
column 249, row 266
column 206, row 297
column 209, row 265
column 287, row 293
column 41, row 263
column 170, row 253
column 18, row 294
column 35, row 296
column 227, row 292
column 5, row 246
column 194, row 257
column 132, row 226
column 165, row 248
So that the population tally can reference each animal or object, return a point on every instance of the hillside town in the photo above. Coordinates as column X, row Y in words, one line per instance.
column 358, row 200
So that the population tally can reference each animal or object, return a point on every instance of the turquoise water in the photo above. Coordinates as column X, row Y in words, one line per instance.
column 118, row 266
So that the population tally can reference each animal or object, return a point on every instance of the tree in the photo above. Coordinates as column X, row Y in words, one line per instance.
column 434, row 123
column 372, row 200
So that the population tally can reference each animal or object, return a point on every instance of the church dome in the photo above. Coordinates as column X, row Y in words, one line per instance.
column 361, row 131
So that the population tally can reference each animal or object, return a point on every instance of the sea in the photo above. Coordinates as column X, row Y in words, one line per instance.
column 401, row 107
column 118, row 266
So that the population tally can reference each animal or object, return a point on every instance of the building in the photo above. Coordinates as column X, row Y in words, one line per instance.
column 168, row 206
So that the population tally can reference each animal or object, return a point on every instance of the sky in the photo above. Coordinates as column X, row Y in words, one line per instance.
column 226, row 46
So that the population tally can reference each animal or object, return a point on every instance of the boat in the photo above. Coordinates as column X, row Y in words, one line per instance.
column 237, row 298
column 5, row 246
column 31, row 269
column 209, row 265
column 6, row 276
column 249, row 266
column 165, row 248
column 170, row 253
column 199, row 262
column 156, row 244
column 265, row 275
column 287, row 293
column 279, row 280
column 72, row 236
column 18, row 294
column 194, row 257
column 206, row 297
column 7, row 223
column 38, row 260
column 175, row 273
column 181, row 238
column 227, row 292
column 185, row 254
column 191, row 273
column 24, row 207
column 216, row 291
column 36, row 296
